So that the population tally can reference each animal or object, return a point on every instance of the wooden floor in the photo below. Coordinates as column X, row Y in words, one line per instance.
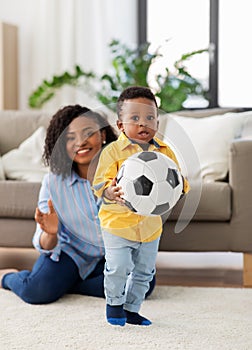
column 199, row 277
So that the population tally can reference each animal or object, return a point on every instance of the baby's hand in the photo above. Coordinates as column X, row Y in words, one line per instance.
column 114, row 192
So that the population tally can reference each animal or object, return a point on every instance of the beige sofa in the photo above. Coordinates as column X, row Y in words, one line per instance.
column 220, row 223
column 18, row 198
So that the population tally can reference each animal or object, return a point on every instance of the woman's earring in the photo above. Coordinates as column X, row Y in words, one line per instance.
column 104, row 142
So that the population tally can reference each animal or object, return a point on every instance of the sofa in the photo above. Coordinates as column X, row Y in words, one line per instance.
column 19, row 187
column 213, row 217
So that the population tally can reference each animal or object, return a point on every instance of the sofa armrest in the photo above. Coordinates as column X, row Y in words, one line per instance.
column 241, row 184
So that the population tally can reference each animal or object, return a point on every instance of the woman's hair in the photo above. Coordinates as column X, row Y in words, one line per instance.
column 55, row 154
column 133, row 92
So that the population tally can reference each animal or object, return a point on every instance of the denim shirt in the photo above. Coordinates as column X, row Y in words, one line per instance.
column 79, row 233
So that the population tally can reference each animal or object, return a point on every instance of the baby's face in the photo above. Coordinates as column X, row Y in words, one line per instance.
column 139, row 119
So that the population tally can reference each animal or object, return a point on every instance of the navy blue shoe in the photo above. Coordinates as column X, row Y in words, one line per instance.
column 135, row 318
column 115, row 315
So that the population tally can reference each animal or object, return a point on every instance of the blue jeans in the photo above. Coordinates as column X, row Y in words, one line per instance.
column 129, row 270
column 50, row 280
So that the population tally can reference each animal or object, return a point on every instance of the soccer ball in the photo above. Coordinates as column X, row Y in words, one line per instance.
column 151, row 182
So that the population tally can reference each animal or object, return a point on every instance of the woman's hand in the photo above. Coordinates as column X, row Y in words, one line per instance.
column 114, row 192
column 48, row 221
column 49, row 224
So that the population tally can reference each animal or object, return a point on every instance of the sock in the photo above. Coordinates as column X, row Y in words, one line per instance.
column 115, row 315
column 135, row 318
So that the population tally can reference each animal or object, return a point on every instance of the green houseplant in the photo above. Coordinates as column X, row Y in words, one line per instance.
column 128, row 67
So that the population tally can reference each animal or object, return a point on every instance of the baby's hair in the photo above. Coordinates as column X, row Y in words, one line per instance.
column 55, row 154
column 133, row 92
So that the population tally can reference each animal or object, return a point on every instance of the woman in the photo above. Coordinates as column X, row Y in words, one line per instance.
column 68, row 230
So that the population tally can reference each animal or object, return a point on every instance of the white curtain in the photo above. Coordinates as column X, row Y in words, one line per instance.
column 69, row 32
column 54, row 35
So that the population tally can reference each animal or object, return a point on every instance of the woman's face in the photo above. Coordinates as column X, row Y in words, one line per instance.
column 83, row 140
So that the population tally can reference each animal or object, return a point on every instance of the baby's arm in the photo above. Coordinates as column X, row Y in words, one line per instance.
column 104, row 183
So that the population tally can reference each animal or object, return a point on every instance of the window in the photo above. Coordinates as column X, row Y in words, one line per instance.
column 187, row 25
column 179, row 27
column 235, row 54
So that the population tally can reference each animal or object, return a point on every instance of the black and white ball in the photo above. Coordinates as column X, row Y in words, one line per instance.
column 151, row 182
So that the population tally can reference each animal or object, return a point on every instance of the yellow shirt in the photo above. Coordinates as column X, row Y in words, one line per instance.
column 118, row 219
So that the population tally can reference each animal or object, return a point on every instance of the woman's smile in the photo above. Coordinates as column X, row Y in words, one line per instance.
column 83, row 151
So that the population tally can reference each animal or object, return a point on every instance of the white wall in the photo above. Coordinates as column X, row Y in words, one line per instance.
column 18, row 13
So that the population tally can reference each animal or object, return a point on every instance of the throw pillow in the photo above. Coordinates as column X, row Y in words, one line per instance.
column 25, row 162
column 209, row 138
column 247, row 129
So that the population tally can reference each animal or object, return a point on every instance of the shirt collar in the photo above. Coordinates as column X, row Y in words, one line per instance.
column 73, row 177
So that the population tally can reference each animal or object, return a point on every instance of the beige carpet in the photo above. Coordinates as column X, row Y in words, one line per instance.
column 183, row 318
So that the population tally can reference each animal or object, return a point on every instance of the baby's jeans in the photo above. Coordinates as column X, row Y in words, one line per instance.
column 129, row 269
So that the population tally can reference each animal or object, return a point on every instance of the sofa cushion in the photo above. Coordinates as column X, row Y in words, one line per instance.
column 206, row 139
column 25, row 162
column 247, row 129
column 214, row 204
column 18, row 199
column 16, row 126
